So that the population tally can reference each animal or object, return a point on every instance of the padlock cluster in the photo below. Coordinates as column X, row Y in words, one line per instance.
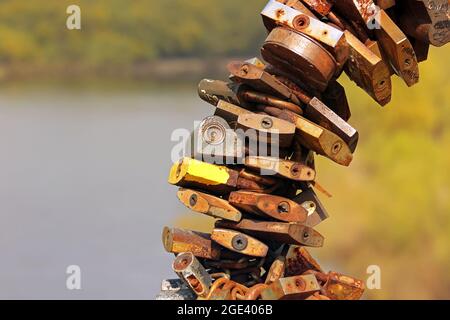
column 252, row 167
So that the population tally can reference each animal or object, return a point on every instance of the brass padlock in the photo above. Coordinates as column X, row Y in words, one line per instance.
column 277, row 14
column 178, row 241
column 291, row 288
column 300, row 55
column 368, row 70
column 271, row 206
column 230, row 112
column 239, row 242
column 288, row 233
column 398, row 48
column 191, row 271
column 282, row 168
column 316, row 138
column 316, row 211
column 210, row 205
column 266, row 130
column 299, row 260
column 260, row 80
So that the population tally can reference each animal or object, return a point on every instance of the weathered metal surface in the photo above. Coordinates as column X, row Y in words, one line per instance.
column 299, row 261
column 299, row 54
column 268, row 206
column 283, row 168
column 288, row 233
column 239, row 242
column 277, row 14
column 398, row 48
column 266, row 129
column 180, row 241
column 207, row 204
column 191, row 271
column 297, row 287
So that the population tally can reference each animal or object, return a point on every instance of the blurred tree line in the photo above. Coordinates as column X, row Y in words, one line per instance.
column 122, row 33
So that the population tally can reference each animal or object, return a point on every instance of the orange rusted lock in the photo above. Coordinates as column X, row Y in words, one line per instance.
column 291, row 288
column 299, row 260
column 271, row 206
column 192, row 272
column 200, row 244
column 288, row 233
column 239, row 242
column 210, row 205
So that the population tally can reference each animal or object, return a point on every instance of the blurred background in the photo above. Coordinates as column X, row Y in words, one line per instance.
column 86, row 118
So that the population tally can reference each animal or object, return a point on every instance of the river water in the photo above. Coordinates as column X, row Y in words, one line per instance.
column 83, row 182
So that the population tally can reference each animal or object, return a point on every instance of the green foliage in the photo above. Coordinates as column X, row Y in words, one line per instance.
column 123, row 32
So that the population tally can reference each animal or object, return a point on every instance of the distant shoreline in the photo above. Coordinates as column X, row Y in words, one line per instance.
column 179, row 69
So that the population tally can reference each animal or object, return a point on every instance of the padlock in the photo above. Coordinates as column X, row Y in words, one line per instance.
column 300, row 55
column 277, row 14
column 178, row 241
column 299, row 261
column 213, row 178
column 427, row 21
column 212, row 91
column 398, row 48
column 282, row 168
column 209, row 205
column 190, row 270
column 266, row 130
column 276, row 271
column 291, row 288
column 256, row 62
column 216, row 143
column 316, row 211
column 368, row 70
column 288, row 233
column 230, row 112
column 264, row 205
column 260, row 80
column 316, row 138
column 239, row 242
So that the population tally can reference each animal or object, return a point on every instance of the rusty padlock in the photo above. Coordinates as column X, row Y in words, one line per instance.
column 266, row 130
column 299, row 261
column 192, row 272
column 291, row 288
column 268, row 206
column 179, row 241
column 212, row 91
column 207, row 204
column 277, row 14
column 258, row 79
column 239, row 242
column 281, row 232
column 299, row 54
